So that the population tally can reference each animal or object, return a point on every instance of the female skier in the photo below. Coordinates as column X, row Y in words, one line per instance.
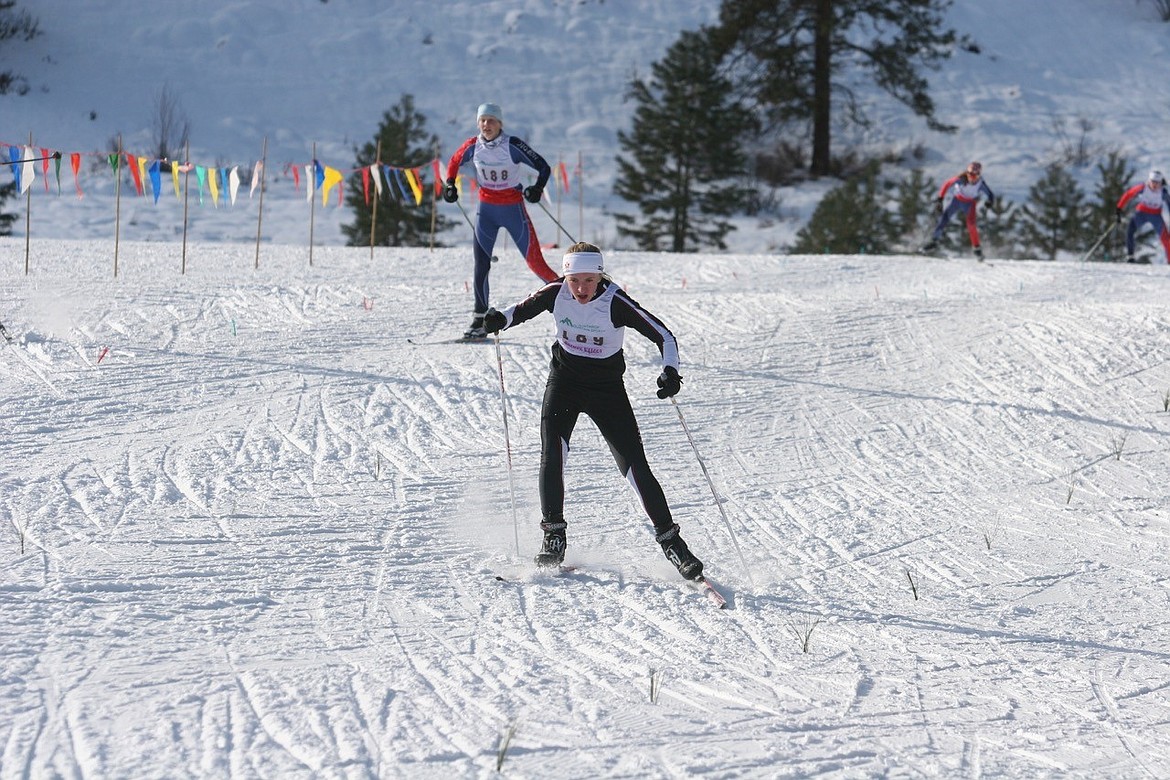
column 590, row 315
column 1151, row 197
column 497, row 158
column 965, row 190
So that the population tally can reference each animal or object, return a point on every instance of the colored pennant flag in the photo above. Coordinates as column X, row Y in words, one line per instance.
column 45, row 157
column 564, row 178
column 14, row 161
column 438, row 177
column 415, row 185
column 201, row 175
column 213, row 185
column 175, row 178
column 155, row 172
column 75, row 164
column 330, row 177
column 377, row 179
column 30, row 170
column 366, row 184
column 234, row 183
column 135, row 174
column 256, row 171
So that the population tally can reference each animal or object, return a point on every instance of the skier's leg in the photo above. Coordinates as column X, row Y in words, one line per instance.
column 486, row 227
column 615, row 420
column 558, row 416
column 524, row 234
column 972, row 225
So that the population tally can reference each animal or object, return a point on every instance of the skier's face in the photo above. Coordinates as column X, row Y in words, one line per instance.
column 583, row 286
column 489, row 127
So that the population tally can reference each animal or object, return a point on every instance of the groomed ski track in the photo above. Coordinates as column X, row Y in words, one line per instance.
column 259, row 536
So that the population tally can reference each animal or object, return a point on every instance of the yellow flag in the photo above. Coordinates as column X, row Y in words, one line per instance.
column 175, row 178
column 213, row 183
column 415, row 185
column 332, row 177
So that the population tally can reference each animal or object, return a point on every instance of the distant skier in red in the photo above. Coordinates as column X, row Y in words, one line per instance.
column 1151, row 196
column 497, row 158
column 964, row 189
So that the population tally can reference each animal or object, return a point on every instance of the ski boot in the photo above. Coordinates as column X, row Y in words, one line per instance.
column 978, row 250
column 476, row 330
column 552, row 550
column 929, row 246
column 677, row 552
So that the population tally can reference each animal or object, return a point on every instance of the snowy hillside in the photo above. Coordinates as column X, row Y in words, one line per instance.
column 251, row 531
column 304, row 72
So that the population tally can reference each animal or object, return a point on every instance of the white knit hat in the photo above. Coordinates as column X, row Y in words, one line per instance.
column 1156, row 176
column 489, row 109
column 582, row 263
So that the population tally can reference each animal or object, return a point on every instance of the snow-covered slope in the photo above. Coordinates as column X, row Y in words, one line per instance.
column 303, row 72
column 251, row 530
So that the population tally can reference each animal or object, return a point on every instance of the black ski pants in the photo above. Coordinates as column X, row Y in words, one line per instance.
column 608, row 406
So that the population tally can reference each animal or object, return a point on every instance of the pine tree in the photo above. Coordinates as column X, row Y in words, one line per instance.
column 1053, row 219
column 405, row 143
column 15, row 25
column 787, row 54
column 686, row 163
column 1115, row 175
column 851, row 219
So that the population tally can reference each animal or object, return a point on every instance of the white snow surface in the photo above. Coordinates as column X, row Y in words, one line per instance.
column 251, row 530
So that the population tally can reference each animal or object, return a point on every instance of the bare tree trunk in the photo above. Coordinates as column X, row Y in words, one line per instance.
column 822, row 88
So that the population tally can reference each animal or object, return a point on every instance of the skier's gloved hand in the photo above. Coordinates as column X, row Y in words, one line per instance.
column 494, row 321
column 532, row 194
column 1119, row 215
column 938, row 209
column 669, row 382
column 450, row 192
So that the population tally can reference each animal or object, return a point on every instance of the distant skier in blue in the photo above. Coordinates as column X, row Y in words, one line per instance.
column 590, row 316
column 964, row 189
column 1151, row 197
column 497, row 157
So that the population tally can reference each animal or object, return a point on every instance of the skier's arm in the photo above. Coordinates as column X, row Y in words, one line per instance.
column 1129, row 195
column 461, row 157
column 942, row 191
column 540, row 301
column 522, row 152
column 626, row 312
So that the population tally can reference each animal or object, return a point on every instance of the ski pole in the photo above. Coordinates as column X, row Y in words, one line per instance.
column 53, row 156
column 1104, row 236
column 557, row 221
column 714, row 495
column 508, row 444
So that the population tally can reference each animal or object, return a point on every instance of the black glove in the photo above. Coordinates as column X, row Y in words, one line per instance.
column 1119, row 215
column 938, row 207
column 669, row 382
column 494, row 321
column 532, row 194
column 450, row 192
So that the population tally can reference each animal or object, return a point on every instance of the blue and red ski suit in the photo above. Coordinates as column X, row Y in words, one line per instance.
column 1148, row 211
column 501, row 204
column 964, row 197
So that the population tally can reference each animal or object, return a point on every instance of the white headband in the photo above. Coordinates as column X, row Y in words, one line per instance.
column 582, row 263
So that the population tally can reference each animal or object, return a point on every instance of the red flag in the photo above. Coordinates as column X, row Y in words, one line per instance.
column 132, row 164
column 75, row 164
